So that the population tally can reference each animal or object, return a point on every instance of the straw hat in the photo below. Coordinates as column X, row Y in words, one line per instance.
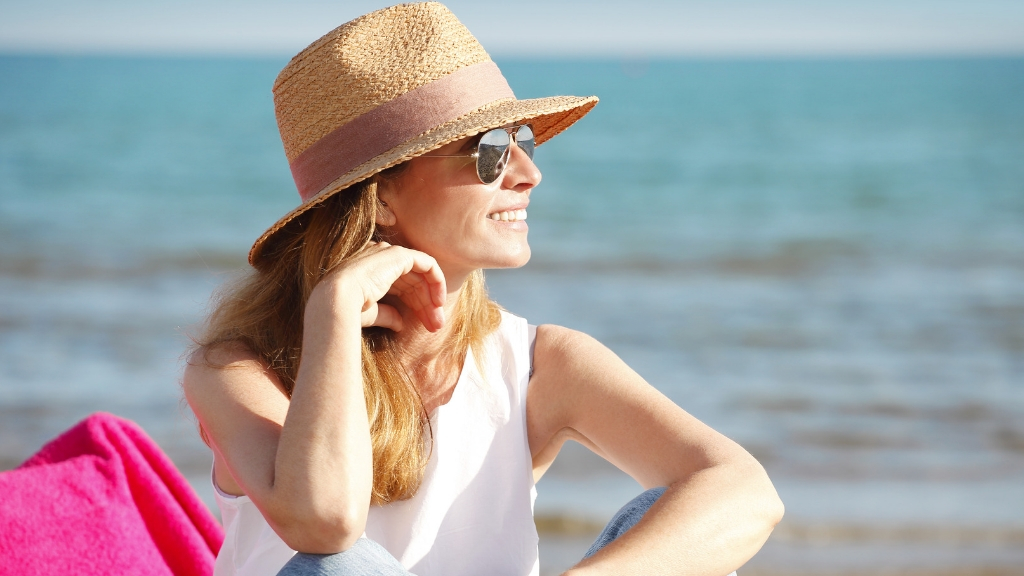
column 390, row 86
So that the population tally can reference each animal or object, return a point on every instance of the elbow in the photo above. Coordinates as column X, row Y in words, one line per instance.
column 778, row 509
column 773, row 510
column 750, row 502
column 321, row 531
column 764, row 501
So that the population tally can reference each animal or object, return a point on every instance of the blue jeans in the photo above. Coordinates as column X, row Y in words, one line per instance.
column 366, row 557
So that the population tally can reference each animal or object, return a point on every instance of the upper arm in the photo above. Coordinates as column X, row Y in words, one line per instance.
column 581, row 390
column 241, row 407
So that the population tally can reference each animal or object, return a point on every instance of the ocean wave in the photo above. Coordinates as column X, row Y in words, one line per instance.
column 831, row 533
column 795, row 259
column 68, row 267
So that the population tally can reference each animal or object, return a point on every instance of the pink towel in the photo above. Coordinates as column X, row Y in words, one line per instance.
column 103, row 499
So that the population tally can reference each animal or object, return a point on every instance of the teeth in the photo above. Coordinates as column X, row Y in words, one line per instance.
column 508, row 216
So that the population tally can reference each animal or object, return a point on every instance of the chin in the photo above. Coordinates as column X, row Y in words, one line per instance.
column 517, row 260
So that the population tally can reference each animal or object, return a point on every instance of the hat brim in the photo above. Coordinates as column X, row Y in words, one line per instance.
column 548, row 116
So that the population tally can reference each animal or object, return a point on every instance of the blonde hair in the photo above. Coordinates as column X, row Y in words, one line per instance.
column 264, row 312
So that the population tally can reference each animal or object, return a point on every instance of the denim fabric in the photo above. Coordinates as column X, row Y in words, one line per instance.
column 367, row 558
column 625, row 518
column 364, row 558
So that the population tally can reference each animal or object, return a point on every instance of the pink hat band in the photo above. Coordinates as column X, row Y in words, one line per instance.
column 395, row 122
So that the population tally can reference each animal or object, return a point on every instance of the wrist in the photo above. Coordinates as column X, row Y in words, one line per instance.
column 334, row 298
column 331, row 321
column 331, row 331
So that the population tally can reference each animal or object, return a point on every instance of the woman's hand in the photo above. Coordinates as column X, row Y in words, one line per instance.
column 382, row 270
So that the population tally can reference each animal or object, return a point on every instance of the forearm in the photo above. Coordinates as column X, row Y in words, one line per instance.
column 323, row 469
column 708, row 524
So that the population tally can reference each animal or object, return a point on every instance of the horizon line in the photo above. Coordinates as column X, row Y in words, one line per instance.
column 551, row 55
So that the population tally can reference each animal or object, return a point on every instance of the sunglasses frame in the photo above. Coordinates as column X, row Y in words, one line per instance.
column 512, row 132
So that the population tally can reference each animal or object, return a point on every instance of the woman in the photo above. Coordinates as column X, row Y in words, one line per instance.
column 368, row 406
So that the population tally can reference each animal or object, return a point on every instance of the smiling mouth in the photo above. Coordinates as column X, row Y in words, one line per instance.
column 508, row 215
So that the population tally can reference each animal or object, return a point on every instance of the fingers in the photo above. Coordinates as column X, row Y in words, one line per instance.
column 384, row 316
column 428, row 292
column 412, row 276
column 431, row 275
column 413, row 289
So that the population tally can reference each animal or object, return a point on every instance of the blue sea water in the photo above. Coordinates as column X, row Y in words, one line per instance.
column 824, row 259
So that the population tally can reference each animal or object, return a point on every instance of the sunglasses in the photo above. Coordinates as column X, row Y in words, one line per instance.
column 494, row 148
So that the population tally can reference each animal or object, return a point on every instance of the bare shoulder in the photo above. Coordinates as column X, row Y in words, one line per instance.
column 209, row 361
column 559, row 340
column 571, row 369
column 228, row 386
column 240, row 405
column 582, row 390
column 211, row 370
column 568, row 362
column 574, row 375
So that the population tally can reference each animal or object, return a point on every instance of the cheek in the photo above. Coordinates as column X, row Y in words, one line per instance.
column 431, row 227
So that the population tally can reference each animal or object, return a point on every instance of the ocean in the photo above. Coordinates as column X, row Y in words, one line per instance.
column 822, row 259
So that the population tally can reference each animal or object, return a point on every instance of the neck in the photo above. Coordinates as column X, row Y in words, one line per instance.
column 427, row 357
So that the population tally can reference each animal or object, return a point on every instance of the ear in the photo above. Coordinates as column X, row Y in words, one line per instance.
column 385, row 216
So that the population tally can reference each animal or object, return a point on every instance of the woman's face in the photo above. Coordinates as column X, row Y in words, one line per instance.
column 439, row 206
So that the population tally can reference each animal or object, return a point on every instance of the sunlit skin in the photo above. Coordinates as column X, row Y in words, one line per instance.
column 439, row 206
column 306, row 461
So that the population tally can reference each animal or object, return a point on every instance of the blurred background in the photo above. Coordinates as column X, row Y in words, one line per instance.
column 802, row 221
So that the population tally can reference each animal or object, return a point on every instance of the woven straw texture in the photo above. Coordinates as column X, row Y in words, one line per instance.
column 376, row 58
column 365, row 63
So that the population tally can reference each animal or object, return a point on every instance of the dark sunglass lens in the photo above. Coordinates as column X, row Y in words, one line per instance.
column 491, row 155
column 524, row 138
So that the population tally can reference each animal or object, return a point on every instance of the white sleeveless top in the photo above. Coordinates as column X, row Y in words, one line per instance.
column 472, row 515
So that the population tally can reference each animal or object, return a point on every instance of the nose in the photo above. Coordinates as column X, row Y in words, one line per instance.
column 521, row 174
